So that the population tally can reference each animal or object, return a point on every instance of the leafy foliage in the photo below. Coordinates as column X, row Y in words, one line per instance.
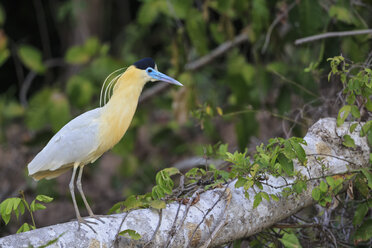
column 17, row 206
column 242, row 96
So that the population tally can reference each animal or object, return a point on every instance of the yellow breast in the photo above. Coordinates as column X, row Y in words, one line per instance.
column 117, row 114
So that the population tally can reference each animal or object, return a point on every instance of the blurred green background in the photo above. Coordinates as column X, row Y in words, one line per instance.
column 55, row 55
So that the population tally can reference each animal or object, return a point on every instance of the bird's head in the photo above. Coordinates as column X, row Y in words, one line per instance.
column 150, row 72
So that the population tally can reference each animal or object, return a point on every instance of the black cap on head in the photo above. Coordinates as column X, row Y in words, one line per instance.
column 145, row 63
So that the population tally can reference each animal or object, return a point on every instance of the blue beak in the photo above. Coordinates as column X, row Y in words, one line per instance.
column 162, row 77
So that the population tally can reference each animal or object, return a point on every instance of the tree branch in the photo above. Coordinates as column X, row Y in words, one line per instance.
column 221, row 49
column 197, row 64
column 231, row 217
column 332, row 34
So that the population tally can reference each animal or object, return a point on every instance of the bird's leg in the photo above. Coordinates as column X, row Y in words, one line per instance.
column 80, row 188
column 71, row 186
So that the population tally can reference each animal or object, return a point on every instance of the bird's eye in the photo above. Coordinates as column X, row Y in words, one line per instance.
column 149, row 70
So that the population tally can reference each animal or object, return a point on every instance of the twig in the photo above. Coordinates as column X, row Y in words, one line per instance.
column 117, row 235
column 186, row 211
column 172, row 230
column 192, row 162
column 333, row 156
column 147, row 94
column 209, row 210
column 222, row 222
column 221, row 49
column 289, row 225
column 294, row 83
column 31, row 76
column 332, row 34
column 194, row 65
column 274, row 23
column 156, row 229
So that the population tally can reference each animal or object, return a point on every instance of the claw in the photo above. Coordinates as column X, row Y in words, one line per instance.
column 88, row 223
column 97, row 217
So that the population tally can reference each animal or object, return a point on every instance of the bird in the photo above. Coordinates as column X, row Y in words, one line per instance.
column 85, row 138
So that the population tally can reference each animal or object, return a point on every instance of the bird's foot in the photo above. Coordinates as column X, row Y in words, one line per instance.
column 88, row 223
column 97, row 217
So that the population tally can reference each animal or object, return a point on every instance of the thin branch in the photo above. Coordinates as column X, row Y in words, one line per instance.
column 294, row 83
column 197, row 64
column 289, row 225
column 187, row 210
column 31, row 76
column 332, row 34
column 274, row 23
column 147, row 94
column 221, row 49
column 222, row 222
column 209, row 210
column 116, row 244
column 156, row 229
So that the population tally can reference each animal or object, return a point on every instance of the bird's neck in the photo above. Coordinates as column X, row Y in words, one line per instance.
column 117, row 114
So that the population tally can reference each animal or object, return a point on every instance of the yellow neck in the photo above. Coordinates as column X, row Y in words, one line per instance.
column 117, row 114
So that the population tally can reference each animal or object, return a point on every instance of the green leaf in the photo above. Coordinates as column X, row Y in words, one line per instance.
column 257, row 200
column 240, row 183
column 359, row 214
column 274, row 197
column 76, row 55
column 364, row 232
column 157, row 204
column 341, row 14
column 323, row 186
column 265, row 196
column 290, row 240
column 79, row 90
column 32, row 206
column 366, row 127
column 115, row 209
column 348, row 141
column 130, row 234
column 157, row 192
column 196, row 30
column 150, row 10
column 286, row 164
column 316, row 194
column 58, row 111
column 44, row 198
column 260, row 15
column 331, row 182
column 368, row 175
column 352, row 127
column 6, row 209
column 172, row 171
column 24, row 228
column 6, row 218
column 31, row 58
column 355, row 111
column 37, row 112
column 300, row 152
column 132, row 202
column 343, row 113
column 299, row 186
column 369, row 105
column 21, row 208
column 39, row 206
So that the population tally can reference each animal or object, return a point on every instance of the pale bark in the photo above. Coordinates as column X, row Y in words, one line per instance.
column 223, row 214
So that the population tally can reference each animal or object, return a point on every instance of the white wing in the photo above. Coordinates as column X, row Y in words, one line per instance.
column 73, row 143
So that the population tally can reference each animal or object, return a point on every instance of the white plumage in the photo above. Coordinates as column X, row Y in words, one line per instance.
column 75, row 142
